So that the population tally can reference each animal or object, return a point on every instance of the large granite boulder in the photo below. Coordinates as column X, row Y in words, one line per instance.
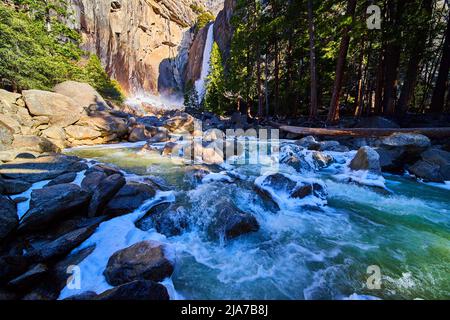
column 104, row 192
column 53, row 203
column 62, row 111
column 143, row 261
column 433, row 166
column 83, row 94
column 6, row 136
column 42, row 168
column 8, row 216
column 366, row 159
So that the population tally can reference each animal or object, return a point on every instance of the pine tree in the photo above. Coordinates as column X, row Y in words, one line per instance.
column 191, row 95
column 214, row 99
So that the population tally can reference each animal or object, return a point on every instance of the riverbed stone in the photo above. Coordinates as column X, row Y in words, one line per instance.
column 136, row 290
column 145, row 260
column 13, row 186
column 130, row 197
column 366, row 159
column 434, row 166
column 231, row 222
column 29, row 278
column 62, row 179
column 104, row 192
column 53, row 203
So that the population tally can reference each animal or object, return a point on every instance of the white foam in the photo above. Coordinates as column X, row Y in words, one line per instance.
column 200, row 84
column 217, row 177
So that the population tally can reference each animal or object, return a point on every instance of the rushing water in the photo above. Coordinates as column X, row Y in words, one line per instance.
column 299, row 252
column 200, row 84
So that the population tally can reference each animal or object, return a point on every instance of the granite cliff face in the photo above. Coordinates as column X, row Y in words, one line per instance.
column 142, row 43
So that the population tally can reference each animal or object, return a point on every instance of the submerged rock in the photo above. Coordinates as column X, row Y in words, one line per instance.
column 130, row 197
column 166, row 218
column 366, row 159
column 136, row 290
column 230, row 222
column 143, row 261
column 53, row 203
column 279, row 189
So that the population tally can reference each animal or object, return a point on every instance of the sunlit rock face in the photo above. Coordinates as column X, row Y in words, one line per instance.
column 143, row 44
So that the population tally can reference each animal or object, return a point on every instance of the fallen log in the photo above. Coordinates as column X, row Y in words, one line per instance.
column 366, row 132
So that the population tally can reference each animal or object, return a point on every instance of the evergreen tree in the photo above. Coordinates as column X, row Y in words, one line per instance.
column 214, row 99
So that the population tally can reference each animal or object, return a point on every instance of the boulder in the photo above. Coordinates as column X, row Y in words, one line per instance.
column 6, row 136
column 13, row 187
column 143, row 261
column 61, row 246
column 138, row 134
column 9, row 219
column 434, row 166
column 83, row 94
column 34, row 144
column 62, row 179
column 181, row 123
column 167, row 219
column 42, row 168
column 106, row 123
column 29, row 278
column 54, row 133
column 230, row 222
column 52, row 204
column 103, row 168
column 321, row 159
column 9, row 102
column 332, row 146
column 271, row 186
column 161, row 136
column 92, row 180
column 12, row 123
column 104, row 192
column 12, row 266
column 129, row 198
column 78, row 132
column 410, row 141
column 309, row 143
column 62, row 111
column 366, row 159
column 136, row 290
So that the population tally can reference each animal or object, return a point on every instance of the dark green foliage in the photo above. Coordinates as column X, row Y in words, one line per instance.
column 214, row 99
column 191, row 95
column 38, row 51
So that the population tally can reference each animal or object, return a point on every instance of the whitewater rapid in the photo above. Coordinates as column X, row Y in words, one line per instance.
column 200, row 84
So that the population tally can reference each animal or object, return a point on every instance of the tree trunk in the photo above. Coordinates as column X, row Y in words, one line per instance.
column 392, row 57
column 366, row 132
column 437, row 102
column 333, row 114
column 266, row 84
column 312, row 61
column 417, row 53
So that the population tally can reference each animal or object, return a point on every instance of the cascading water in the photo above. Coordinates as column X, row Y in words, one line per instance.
column 200, row 84
column 310, row 250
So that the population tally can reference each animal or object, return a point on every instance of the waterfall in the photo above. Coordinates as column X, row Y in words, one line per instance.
column 200, row 84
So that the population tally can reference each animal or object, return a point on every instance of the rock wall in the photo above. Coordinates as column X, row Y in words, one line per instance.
column 223, row 30
column 223, row 33
column 142, row 43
